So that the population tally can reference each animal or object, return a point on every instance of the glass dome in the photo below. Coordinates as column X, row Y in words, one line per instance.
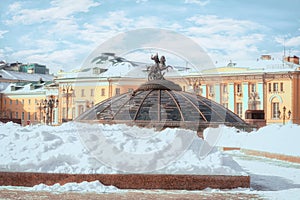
column 162, row 104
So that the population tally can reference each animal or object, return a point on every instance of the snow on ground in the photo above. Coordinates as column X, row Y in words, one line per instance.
column 281, row 139
column 83, row 187
column 60, row 149
column 272, row 179
column 94, row 186
column 71, row 147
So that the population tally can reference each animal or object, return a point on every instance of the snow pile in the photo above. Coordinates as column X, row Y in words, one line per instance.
column 281, row 139
column 75, row 148
column 93, row 187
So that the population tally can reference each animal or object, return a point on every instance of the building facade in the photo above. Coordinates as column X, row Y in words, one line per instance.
column 30, row 102
column 271, row 88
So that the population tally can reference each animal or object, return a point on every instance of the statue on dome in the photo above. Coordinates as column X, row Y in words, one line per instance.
column 156, row 70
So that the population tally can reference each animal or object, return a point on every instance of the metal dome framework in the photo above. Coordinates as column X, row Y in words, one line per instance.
column 161, row 104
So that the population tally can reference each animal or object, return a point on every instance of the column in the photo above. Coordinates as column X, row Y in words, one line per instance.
column 231, row 97
column 260, row 91
column 218, row 93
column 204, row 92
column 245, row 91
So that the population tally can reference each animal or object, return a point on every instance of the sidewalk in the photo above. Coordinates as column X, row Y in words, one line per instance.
column 145, row 194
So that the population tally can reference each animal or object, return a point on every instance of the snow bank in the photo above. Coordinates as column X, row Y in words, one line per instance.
column 64, row 149
column 94, row 187
column 281, row 139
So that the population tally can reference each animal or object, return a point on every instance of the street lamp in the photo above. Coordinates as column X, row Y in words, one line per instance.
column 284, row 115
column 49, row 104
column 289, row 114
column 284, row 109
column 68, row 93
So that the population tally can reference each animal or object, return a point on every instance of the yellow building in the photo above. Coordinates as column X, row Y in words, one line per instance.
column 275, row 90
column 30, row 102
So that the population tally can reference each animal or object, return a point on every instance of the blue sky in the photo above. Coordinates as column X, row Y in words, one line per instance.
column 62, row 33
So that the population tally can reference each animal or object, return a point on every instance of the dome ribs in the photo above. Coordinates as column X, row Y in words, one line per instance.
column 195, row 106
column 176, row 103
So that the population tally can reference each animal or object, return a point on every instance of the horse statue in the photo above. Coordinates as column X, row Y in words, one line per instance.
column 155, row 71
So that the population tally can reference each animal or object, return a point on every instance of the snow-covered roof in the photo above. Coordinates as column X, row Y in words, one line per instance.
column 258, row 66
column 12, row 75
column 25, row 87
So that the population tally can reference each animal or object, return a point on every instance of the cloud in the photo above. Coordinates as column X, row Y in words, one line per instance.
column 212, row 24
column 226, row 38
column 288, row 42
column 114, row 23
column 67, row 58
column 2, row 33
column 198, row 2
column 141, row 1
column 14, row 7
column 60, row 9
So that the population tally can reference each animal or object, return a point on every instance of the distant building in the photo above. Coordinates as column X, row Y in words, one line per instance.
column 269, row 85
column 27, row 101
column 34, row 68
column 31, row 68
column 15, row 87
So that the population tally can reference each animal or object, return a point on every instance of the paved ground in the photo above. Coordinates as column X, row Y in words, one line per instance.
column 25, row 195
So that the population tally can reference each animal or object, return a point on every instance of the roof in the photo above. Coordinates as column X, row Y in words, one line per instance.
column 21, row 76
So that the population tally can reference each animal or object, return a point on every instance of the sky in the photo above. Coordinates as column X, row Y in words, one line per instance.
column 61, row 34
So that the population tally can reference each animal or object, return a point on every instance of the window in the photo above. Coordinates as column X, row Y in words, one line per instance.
column 239, row 109
column 23, row 114
column 225, row 88
column 17, row 101
column 17, row 115
column 80, row 109
column 118, row 91
column 5, row 101
column 28, row 116
column 73, row 113
column 10, row 101
column 102, row 92
column 275, row 87
column 82, row 92
column 29, row 101
column 270, row 87
column 64, row 113
column 211, row 89
column 239, row 88
column 35, row 116
column 92, row 92
column 281, row 87
column 253, row 87
column 275, row 110
column 23, row 101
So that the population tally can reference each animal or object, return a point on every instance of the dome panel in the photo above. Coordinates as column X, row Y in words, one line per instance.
column 170, row 107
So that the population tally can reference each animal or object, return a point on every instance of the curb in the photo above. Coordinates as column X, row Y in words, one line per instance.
column 129, row 181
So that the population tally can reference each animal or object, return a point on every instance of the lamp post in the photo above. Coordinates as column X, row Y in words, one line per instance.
column 49, row 104
column 284, row 109
column 284, row 114
column 68, row 92
column 289, row 114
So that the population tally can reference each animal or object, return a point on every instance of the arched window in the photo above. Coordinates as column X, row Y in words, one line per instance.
column 275, row 109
